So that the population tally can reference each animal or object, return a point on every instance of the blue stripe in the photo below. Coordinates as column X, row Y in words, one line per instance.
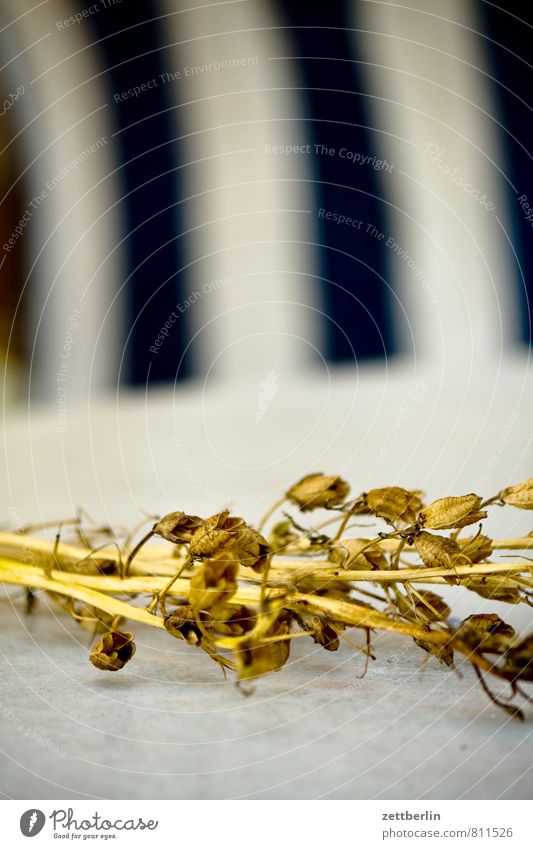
column 515, row 103
column 353, row 262
column 150, row 187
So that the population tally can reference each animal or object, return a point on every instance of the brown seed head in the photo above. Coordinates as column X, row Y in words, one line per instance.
column 177, row 527
column 318, row 490
column 452, row 512
column 113, row 650
column 520, row 495
column 257, row 657
column 182, row 623
column 253, row 549
column 393, row 503
column 349, row 554
column 214, row 580
column 435, row 551
column 486, row 632
column 431, row 606
column 519, row 659
column 232, row 620
column 215, row 534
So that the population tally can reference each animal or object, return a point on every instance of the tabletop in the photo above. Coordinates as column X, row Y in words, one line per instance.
column 169, row 725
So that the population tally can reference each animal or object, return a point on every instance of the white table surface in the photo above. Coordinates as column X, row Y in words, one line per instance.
column 168, row 725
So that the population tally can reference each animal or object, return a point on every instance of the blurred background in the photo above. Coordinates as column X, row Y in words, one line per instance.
column 247, row 186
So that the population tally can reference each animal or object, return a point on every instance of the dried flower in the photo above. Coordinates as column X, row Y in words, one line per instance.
column 520, row 495
column 183, row 623
column 215, row 534
column 315, row 594
column 435, row 551
column 214, row 580
column 430, row 606
column 519, row 659
column 255, row 657
column 232, row 620
column 393, row 503
column 486, row 632
column 178, row 528
column 452, row 512
column 496, row 590
column 357, row 554
column 252, row 548
column 318, row 490
column 325, row 633
column 113, row 650
column 282, row 535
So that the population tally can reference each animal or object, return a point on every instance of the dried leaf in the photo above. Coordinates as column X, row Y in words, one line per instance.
column 452, row 512
column 113, row 650
column 318, row 490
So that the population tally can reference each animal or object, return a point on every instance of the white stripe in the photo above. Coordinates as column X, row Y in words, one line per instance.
column 70, row 240
column 423, row 73
column 250, row 209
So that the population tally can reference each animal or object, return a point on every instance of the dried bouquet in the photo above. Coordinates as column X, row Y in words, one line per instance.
column 241, row 594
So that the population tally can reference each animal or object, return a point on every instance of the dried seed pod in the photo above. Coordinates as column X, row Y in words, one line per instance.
column 325, row 633
column 393, row 503
column 431, row 606
column 520, row 495
column 178, row 527
column 318, row 490
column 349, row 554
column 282, row 535
column 443, row 653
column 519, row 659
column 496, row 591
column 232, row 620
column 214, row 580
column 253, row 549
column 476, row 548
column 113, row 650
column 215, row 533
column 452, row 512
column 486, row 632
column 182, row 623
column 436, row 552
column 257, row 657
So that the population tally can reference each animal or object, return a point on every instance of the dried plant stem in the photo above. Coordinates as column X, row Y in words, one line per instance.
column 28, row 576
column 270, row 512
